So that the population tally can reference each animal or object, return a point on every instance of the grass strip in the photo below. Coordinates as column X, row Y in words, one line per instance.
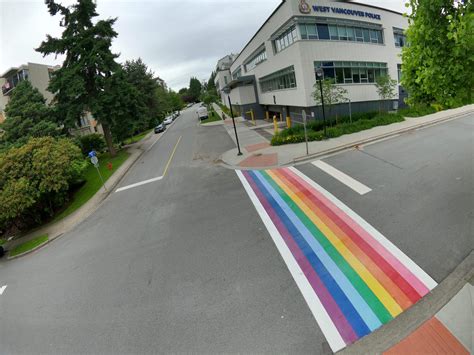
column 213, row 117
column 136, row 138
column 93, row 182
column 29, row 245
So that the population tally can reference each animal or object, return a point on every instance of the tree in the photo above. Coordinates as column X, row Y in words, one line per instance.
column 35, row 179
column 385, row 86
column 332, row 94
column 211, row 85
column 195, row 88
column 124, row 104
column 137, row 73
column 88, row 63
column 175, row 100
column 27, row 115
column 439, row 60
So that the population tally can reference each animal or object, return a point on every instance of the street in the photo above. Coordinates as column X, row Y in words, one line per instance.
column 184, row 263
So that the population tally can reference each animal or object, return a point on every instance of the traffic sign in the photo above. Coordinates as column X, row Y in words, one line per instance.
column 95, row 160
column 92, row 153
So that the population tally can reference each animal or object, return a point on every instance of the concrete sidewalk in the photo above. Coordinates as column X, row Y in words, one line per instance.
column 257, row 152
column 57, row 229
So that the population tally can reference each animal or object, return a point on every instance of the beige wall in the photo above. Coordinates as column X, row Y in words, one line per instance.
column 39, row 78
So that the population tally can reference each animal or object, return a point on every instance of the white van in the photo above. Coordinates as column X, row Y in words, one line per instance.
column 202, row 113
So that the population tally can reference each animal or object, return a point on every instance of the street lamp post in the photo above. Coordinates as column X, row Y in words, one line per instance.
column 319, row 74
column 235, row 128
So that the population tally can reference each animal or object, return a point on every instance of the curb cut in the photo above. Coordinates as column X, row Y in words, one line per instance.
column 307, row 158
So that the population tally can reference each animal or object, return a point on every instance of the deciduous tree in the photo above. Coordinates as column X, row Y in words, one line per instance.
column 439, row 60
column 386, row 87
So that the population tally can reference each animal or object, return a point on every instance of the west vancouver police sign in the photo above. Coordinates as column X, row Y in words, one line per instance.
column 306, row 9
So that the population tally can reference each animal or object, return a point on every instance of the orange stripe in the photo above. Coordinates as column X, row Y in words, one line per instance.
column 431, row 338
column 399, row 296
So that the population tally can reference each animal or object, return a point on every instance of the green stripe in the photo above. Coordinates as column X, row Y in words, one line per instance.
column 372, row 300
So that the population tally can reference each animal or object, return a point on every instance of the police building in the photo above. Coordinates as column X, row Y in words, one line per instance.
column 352, row 43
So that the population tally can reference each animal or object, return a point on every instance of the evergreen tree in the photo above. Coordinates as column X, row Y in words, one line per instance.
column 195, row 88
column 27, row 115
column 88, row 63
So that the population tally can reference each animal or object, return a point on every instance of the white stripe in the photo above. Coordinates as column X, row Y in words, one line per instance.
column 355, row 185
column 397, row 253
column 2, row 289
column 139, row 183
column 328, row 328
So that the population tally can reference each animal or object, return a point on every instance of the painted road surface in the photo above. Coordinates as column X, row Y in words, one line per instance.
column 353, row 278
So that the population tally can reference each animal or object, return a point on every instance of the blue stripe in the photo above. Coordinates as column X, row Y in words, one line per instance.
column 347, row 308
column 367, row 314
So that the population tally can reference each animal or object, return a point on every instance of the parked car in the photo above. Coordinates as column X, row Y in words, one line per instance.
column 202, row 113
column 160, row 128
column 168, row 120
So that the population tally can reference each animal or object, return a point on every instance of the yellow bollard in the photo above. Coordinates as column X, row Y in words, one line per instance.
column 253, row 118
column 288, row 121
column 267, row 115
column 275, row 124
column 281, row 117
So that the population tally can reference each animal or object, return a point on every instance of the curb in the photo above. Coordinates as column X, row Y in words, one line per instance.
column 110, row 189
column 306, row 158
column 404, row 324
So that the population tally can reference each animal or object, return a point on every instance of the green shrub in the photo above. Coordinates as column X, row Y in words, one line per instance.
column 296, row 134
column 35, row 179
column 90, row 142
column 417, row 111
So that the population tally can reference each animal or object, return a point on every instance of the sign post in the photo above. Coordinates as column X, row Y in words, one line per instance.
column 95, row 162
column 235, row 128
column 303, row 113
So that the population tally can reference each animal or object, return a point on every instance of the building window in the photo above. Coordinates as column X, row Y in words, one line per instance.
column 286, row 39
column 237, row 73
column 280, row 80
column 399, row 72
column 256, row 60
column 340, row 33
column 352, row 72
column 225, row 79
column 399, row 37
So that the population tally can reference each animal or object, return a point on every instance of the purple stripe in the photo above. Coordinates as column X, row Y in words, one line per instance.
column 337, row 317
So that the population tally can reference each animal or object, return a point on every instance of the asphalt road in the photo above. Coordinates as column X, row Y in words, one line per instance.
column 185, row 264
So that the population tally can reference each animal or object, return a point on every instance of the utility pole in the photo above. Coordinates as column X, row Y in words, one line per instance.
column 235, row 128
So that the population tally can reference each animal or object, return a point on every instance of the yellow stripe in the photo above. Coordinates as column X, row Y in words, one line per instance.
column 171, row 157
column 380, row 292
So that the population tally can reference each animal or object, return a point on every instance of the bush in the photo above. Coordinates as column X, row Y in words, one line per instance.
column 418, row 110
column 35, row 179
column 90, row 142
column 296, row 134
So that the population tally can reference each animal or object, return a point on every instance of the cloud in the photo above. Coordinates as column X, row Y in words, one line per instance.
column 177, row 39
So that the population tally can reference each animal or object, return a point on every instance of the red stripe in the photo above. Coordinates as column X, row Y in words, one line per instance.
column 399, row 280
column 334, row 312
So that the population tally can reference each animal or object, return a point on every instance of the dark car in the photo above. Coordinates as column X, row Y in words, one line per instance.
column 160, row 128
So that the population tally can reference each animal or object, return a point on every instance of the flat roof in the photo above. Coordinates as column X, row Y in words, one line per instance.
column 283, row 1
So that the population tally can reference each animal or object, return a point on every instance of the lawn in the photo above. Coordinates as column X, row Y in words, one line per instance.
column 93, row 182
column 213, row 117
column 137, row 137
column 31, row 244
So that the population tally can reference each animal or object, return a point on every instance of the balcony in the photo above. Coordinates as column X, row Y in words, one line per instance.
column 13, row 80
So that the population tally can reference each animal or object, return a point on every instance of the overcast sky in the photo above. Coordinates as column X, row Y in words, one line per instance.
column 177, row 39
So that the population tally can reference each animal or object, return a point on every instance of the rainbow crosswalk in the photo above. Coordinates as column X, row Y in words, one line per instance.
column 353, row 279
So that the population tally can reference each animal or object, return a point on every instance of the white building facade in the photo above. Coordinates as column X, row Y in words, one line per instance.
column 353, row 43
column 223, row 77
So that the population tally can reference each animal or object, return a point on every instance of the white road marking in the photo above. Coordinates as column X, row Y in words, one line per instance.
column 401, row 256
column 2, row 289
column 139, row 184
column 355, row 185
column 319, row 312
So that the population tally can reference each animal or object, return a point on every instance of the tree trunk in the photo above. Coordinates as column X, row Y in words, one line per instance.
column 108, row 140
